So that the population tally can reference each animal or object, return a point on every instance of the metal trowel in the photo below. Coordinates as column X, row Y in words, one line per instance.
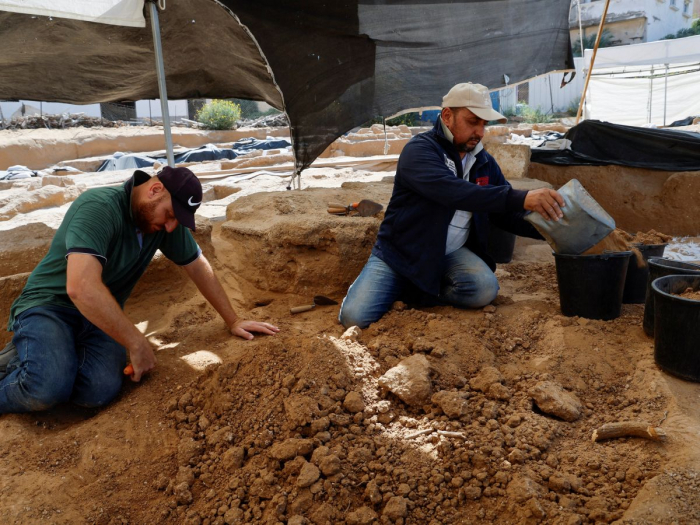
column 319, row 300
column 364, row 208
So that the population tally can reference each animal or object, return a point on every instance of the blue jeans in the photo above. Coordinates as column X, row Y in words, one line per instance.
column 467, row 282
column 61, row 357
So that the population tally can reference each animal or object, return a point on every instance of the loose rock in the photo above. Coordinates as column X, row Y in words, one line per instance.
column 409, row 380
column 553, row 399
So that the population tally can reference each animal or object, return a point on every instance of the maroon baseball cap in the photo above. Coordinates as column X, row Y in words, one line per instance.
column 186, row 192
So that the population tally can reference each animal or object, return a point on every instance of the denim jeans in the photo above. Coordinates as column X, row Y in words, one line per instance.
column 61, row 357
column 466, row 283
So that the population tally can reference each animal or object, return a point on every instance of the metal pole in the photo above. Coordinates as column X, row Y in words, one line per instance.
column 595, row 51
column 651, row 93
column 580, row 27
column 161, row 84
column 665, row 93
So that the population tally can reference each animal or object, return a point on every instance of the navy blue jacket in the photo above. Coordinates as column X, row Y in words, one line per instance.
column 428, row 189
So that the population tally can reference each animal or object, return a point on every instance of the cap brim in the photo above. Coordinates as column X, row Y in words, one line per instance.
column 488, row 114
column 183, row 215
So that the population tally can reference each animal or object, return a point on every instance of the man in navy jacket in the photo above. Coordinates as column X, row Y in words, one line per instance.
column 430, row 247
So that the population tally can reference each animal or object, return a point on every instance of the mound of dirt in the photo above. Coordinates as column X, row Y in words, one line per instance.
column 690, row 294
column 650, row 237
column 301, row 430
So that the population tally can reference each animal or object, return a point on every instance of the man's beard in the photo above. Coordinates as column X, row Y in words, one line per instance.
column 143, row 215
column 464, row 147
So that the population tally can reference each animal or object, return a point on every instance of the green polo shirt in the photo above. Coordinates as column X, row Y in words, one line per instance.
column 100, row 223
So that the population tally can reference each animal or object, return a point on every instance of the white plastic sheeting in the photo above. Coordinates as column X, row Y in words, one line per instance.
column 115, row 12
column 652, row 83
column 677, row 50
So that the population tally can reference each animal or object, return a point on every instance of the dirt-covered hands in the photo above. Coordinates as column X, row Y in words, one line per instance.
column 546, row 202
column 243, row 328
column 142, row 359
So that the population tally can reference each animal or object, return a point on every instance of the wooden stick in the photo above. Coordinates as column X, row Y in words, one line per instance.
column 590, row 68
column 628, row 429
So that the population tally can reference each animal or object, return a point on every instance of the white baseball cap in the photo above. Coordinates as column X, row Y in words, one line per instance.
column 475, row 98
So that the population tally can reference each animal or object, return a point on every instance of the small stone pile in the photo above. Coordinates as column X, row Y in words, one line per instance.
column 62, row 121
column 268, row 121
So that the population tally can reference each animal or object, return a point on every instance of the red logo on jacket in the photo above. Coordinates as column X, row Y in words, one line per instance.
column 482, row 181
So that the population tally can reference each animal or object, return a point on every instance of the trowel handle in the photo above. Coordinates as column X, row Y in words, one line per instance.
column 299, row 309
column 337, row 205
column 336, row 210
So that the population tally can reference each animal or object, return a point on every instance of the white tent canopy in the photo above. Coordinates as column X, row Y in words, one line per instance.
column 652, row 83
column 115, row 12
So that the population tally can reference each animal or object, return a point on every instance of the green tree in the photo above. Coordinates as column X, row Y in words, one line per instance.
column 693, row 30
column 249, row 108
column 219, row 114
column 589, row 42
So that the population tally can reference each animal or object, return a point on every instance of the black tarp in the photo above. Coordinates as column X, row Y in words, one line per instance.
column 120, row 161
column 596, row 143
column 330, row 66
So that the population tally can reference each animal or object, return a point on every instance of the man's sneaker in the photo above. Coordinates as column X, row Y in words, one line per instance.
column 7, row 354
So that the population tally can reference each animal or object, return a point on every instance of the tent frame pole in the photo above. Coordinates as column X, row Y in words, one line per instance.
column 160, row 69
column 590, row 68
column 651, row 93
column 665, row 93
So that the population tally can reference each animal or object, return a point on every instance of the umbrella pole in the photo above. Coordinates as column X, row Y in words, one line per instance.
column 161, row 83
column 595, row 51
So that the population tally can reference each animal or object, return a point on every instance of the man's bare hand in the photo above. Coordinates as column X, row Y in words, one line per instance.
column 546, row 202
column 142, row 359
column 243, row 328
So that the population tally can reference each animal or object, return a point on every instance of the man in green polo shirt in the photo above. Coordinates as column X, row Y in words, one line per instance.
column 71, row 336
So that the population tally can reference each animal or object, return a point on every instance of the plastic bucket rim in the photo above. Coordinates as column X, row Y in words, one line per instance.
column 660, row 260
column 603, row 256
column 671, row 296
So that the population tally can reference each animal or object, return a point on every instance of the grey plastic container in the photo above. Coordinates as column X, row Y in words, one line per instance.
column 585, row 222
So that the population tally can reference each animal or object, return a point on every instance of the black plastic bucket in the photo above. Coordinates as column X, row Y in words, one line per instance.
column 677, row 326
column 591, row 285
column 500, row 244
column 636, row 282
column 659, row 267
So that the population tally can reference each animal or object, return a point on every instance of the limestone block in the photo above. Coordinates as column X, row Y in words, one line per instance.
column 221, row 191
column 496, row 131
column 46, row 197
column 553, row 126
column 23, row 247
column 56, row 180
column 303, row 244
column 514, row 159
